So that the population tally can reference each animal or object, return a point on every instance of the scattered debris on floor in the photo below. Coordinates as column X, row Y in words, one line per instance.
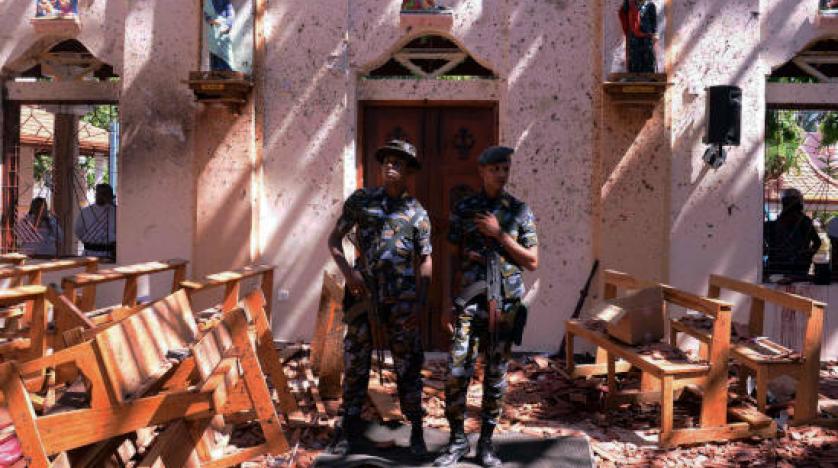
column 543, row 401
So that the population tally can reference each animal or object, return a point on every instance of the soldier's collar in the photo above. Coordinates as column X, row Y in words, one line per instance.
column 503, row 197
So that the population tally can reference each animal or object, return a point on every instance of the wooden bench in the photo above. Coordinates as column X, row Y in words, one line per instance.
column 765, row 358
column 32, row 274
column 129, row 274
column 662, row 376
column 13, row 259
column 257, row 304
column 29, row 341
column 134, row 382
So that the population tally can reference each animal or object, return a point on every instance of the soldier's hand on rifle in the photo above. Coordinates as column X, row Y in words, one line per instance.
column 487, row 224
column 355, row 284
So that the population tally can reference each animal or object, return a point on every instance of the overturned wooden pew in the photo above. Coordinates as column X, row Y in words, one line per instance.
column 152, row 368
column 257, row 304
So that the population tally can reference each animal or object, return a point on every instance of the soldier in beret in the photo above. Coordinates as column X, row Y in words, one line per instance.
column 494, row 234
column 393, row 233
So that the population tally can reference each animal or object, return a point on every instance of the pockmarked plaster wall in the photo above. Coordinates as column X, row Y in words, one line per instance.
column 316, row 56
column 716, row 215
column 102, row 32
column 157, row 191
column 306, row 140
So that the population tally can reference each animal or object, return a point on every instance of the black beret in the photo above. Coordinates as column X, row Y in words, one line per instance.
column 496, row 155
column 399, row 148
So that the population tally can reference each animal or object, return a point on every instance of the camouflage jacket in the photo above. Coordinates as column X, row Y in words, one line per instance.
column 514, row 217
column 390, row 233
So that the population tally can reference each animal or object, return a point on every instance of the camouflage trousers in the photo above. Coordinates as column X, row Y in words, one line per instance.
column 471, row 334
column 402, row 334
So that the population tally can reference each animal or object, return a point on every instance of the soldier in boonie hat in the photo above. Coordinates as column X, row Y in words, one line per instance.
column 399, row 148
column 390, row 280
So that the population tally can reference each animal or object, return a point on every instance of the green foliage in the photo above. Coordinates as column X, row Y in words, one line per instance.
column 792, row 79
column 102, row 116
column 783, row 139
column 43, row 166
column 829, row 129
column 824, row 216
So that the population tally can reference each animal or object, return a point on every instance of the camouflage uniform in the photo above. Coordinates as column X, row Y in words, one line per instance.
column 391, row 233
column 516, row 219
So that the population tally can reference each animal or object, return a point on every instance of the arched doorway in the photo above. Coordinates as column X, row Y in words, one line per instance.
column 60, row 135
column 449, row 135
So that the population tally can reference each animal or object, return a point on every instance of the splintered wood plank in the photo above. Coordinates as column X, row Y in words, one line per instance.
column 386, row 402
column 255, row 304
column 169, row 449
column 327, row 344
column 237, row 458
column 254, row 379
column 750, row 415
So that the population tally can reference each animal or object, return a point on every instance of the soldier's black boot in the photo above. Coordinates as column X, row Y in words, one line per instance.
column 485, row 450
column 346, row 436
column 417, row 439
column 457, row 446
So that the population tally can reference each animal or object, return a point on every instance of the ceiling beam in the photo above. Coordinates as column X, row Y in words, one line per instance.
column 90, row 92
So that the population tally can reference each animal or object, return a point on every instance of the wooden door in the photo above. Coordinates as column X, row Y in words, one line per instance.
column 448, row 137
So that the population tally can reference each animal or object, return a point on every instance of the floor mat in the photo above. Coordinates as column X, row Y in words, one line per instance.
column 386, row 446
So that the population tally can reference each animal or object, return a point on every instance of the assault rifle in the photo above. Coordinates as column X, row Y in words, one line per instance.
column 583, row 294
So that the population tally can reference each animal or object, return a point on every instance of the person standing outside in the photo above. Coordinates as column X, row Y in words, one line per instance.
column 393, row 232
column 96, row 225
column 39, row 233
column 495, row 239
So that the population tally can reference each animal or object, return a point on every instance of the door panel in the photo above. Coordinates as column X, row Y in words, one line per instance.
column 448, row 141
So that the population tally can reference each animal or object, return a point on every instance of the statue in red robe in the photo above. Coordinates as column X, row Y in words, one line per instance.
column 639, row 19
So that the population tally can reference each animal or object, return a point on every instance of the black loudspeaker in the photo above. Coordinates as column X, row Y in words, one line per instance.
column 724, row 115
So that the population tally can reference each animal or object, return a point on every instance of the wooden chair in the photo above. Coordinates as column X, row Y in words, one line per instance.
column 135, row 382
column 662, row 376
column 765, row 358
column 257, row 304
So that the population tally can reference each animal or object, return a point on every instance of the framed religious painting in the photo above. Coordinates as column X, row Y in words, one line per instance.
column 57, row 17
